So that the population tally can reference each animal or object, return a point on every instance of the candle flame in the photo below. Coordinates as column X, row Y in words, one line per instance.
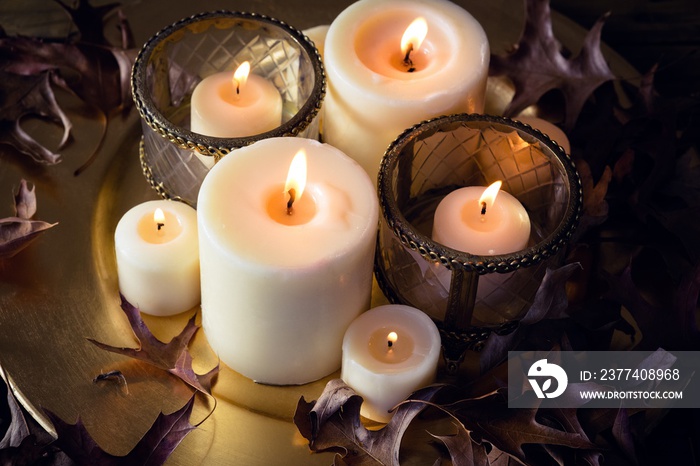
column 391, row 339
column 159, row 218
column 296, row 177
column 414, row 35
column 489, row 197
column 240, row 76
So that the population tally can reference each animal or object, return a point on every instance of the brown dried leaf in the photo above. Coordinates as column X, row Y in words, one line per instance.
column 173, row 356
column 92, row 69
column 25, row 201
column 29, row 95
column 536, row 65
column 154, row 448
column 333, row 424
column 463, row 450
column 16, row 233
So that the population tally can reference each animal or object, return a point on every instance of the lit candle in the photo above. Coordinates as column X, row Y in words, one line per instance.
column 377, row 87
column 241, row 104
column 158, row 257
column 389, row 352
column 480, row 221
column 285, row 268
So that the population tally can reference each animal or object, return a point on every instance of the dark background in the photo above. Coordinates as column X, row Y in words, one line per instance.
column 647, row 33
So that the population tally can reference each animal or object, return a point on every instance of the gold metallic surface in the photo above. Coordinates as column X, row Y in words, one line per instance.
column 62, row 289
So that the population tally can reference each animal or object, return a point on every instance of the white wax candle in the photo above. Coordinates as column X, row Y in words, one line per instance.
column 486, row 227
column 224, row 107
column 278, row 290
column 385, row 374
column 372, row 96
column 158, row 257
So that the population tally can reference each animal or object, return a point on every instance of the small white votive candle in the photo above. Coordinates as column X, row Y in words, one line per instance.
column 389, row 352
column 158, row 257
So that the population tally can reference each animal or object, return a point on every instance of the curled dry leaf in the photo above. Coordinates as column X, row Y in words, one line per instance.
column 333, row 424
column 488, row 419
column 463, row 450
column 536, row 65
column 173, row 356
column 154, row 448
column 89, row 67
column 21, row 96
column 16, row 233
column 25, row 442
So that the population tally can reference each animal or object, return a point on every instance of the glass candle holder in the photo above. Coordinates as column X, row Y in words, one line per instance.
column 176, row 59
column 470, row 296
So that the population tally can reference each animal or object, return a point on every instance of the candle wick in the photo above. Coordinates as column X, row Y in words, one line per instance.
column 238, row 88
column 292, row 195
column 407, row 59
column 160, row 225
column 483, row 208
column 389, row 343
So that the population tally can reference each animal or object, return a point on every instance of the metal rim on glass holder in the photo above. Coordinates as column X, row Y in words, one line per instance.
column 458, row 333
column 212, row 146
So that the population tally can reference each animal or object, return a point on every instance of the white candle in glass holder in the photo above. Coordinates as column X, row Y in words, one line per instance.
column 389, row 352
column 158, row 257
column 381, row 82
column 279, row 289
column 483, row 222
column 234, row 105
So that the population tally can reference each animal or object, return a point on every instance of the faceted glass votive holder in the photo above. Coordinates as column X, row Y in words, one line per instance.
column 470, row 296
column 176, row 59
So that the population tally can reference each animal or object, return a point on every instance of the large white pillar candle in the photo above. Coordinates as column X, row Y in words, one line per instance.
column 374, row 94
column 389, row 352
column 279, row 290
column 484, row 222
column 158, row 257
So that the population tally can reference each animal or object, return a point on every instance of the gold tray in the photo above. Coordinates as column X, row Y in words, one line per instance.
column 63, row 288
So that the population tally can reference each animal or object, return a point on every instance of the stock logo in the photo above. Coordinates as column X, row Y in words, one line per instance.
column 546, row 372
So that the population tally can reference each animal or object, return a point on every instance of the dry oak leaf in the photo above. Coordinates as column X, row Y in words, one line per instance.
column 488, row 419
column 333, row 424
column 17, row 232
column 173, row 356
column 154, row 448
column 536, row 65
column 29, row 95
